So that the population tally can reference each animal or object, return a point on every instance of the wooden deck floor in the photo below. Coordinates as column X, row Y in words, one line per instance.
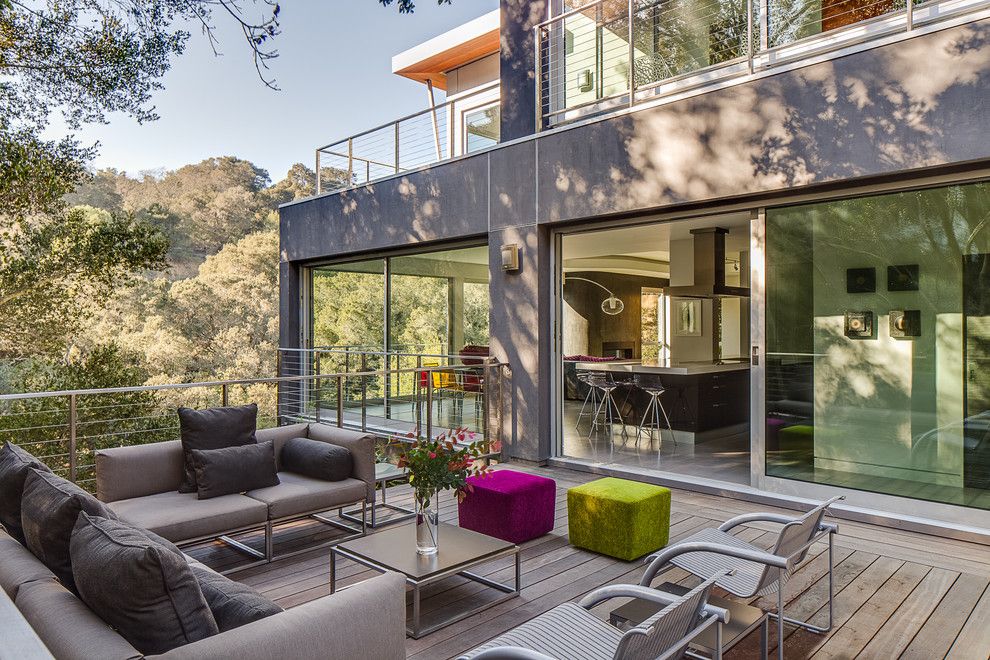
column 899, row 594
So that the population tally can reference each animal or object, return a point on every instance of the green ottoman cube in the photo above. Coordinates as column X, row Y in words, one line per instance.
column 619, row 518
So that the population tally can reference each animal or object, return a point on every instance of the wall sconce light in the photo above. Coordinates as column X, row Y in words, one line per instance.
column 510, row 257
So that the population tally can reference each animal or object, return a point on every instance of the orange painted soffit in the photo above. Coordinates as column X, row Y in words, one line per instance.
column 434, row 67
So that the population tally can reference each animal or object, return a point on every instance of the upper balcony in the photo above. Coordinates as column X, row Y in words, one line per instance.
column 598, row 57
column 461, row 64
column 603, row 55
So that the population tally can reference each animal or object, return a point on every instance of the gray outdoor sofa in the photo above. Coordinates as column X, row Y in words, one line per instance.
column 366, row 620
column 140, row 484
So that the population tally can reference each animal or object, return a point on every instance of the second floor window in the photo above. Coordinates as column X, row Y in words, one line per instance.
column 481, row 128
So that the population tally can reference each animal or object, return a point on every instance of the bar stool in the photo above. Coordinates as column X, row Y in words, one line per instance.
column 608, row 411
column 654, row 410
column 590, row 397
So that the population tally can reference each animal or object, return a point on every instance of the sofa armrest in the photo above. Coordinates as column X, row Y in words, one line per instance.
column 138, row 470
column 367, row 620
column 362, row 448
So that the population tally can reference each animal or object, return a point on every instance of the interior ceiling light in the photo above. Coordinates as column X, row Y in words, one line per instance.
column 611, row 305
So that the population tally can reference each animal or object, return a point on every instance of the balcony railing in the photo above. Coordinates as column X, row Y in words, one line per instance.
column 66, row 428
column 423, row 138
column 606, row 54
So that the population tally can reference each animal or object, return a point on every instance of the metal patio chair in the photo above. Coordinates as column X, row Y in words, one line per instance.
column 571, row 632
column 755, row 572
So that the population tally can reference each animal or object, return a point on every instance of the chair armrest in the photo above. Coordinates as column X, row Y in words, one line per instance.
column 608, row 592
column 363, row 621
column 362, row 448
column 660, row 559
column 756, row 517
column 510, row 653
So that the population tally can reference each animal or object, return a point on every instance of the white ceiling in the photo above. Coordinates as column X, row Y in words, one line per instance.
column 647, row 242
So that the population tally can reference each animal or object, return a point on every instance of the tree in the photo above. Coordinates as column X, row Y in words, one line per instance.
column 84, row 59
column 49, row 270
column 408, row 6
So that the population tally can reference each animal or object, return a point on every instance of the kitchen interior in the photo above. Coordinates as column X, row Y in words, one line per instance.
column 655, row 339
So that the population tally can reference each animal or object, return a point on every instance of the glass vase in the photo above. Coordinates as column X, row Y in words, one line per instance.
column 427, row 523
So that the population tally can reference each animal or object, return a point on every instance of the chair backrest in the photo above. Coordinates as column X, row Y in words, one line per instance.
column 659, row 634
column 424, row 376
column 794, row 539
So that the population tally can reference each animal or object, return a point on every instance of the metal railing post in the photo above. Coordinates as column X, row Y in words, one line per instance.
column 632, row 55
column 419, row 394
column 316, row 383
column 396, row 147
column 764, row 25
column 319, row 184
column 452, row 129
column 538, row 70
column 364, row 392
column 429, row 405
column 72, row 438
column 340, row 401
column 486, row 383
column 909, row 9
column 350, row 160
column 749, row 34
column 224, row 395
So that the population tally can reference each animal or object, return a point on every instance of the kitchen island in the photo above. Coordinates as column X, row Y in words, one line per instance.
column 699, row 396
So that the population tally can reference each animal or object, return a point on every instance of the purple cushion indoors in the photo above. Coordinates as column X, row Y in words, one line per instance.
column 509, row 505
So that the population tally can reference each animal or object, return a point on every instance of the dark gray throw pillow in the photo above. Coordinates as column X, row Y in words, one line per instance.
column 233, row 604
column 234, row 469
column 49, row 510
column 145, row 590
column 14, row 466
column 214, row 428
column 320, row 460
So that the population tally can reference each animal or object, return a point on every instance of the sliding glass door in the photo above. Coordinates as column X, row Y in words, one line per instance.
column 878, row 339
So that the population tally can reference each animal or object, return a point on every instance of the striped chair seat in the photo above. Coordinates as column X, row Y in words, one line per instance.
column 567, row 631
column 746, row 577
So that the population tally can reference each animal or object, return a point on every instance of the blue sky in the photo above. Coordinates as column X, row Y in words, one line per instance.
column 334, row 71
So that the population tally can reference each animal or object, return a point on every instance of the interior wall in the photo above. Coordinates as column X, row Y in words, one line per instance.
column 583, row 312
column 692, row 349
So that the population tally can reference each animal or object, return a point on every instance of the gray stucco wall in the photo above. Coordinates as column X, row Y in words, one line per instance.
column 870, row 115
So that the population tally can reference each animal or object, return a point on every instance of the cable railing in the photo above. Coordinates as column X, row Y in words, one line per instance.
column 417, row 140
column 66, row 428
column 599, row 55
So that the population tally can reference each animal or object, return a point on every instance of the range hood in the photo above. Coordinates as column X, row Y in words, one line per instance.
column 709, row 268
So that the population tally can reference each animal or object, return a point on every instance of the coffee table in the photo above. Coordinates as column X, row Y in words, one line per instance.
column 384, row 472
column 743, row 619
column 394, row 549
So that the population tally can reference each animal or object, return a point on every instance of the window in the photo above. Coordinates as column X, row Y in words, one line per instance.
column 481, row 128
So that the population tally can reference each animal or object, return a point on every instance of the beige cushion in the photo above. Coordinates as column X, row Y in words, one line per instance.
column 298, row 494
column 68, row 628
column 124, row 473
column 18, row 566
column 182, row 517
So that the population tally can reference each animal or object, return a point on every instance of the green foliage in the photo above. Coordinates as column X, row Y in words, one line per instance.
column 41, row 425
column 441, row 464
column 408, row 6
column 50, row 270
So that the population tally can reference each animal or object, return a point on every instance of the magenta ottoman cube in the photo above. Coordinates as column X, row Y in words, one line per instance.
column 509, row 505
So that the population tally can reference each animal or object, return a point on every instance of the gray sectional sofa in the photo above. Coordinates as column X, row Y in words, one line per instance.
column 140, row 484
column 364, row 621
